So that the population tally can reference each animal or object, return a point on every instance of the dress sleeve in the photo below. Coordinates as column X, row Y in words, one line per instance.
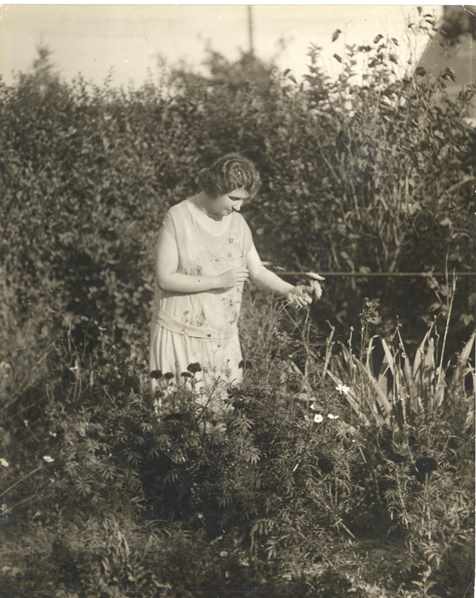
column 168, row 224
column 248, row 243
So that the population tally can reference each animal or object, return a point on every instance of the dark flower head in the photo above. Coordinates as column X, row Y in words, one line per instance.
column 156, row 374
column 245, row 364
column 168, row 376
column 325, row 464
column 194, row 367
column 424, row 466
column 186, row 374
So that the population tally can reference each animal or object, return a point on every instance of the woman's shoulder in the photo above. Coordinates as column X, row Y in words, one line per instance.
column 180, row 206
column 241, row 221
column 178, row 211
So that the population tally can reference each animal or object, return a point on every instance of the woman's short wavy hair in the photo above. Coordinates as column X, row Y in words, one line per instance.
column 230, row 172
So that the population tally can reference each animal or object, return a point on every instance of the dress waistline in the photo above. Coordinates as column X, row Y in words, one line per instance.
column 207, row 333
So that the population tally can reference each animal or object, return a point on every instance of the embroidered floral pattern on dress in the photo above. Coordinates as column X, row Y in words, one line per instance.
column 193, row 270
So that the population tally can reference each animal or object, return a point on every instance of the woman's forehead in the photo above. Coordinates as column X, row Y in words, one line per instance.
column 240, row 193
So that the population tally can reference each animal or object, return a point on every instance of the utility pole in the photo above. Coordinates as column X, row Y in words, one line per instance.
column 251, row 48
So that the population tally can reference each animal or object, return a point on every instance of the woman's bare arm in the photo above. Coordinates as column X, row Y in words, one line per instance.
column 169, row 279
column 263, row 277
column 270, row 281
column 167, row 262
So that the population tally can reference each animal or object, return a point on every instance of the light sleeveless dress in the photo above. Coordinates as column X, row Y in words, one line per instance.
column 200, row 328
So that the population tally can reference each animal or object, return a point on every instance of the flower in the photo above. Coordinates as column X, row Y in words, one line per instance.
column 156, row 374
column 318, row 418
column 325, row 464
column 5, row 368
column 343, row 389
column 424, row 466
column 314, row 406
column 331, row 416
column 245, row 364
column 48, row 459
column 194, row 367
column 223, row 553
column 4, row 462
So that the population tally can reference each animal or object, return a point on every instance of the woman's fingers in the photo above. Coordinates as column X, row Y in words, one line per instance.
column 242, row 274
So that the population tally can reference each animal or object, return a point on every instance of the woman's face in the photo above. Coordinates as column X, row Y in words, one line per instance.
column 224, row 205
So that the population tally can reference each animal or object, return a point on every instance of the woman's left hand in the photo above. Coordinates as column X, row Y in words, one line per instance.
column 299, row 296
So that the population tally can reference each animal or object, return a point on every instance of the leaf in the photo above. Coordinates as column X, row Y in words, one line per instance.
column 449, row 73
column 388, row 356
column 336, row 34
column 464, row 356
column 378, row 38
column 337, row 57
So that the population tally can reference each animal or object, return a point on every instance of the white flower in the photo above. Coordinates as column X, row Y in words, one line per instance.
column 343, row 388
column 314, row 406
column 53, row 434
column 331, row 416
column 318, row 418
column 223, row 553
column 4, row 462
column 48, row 459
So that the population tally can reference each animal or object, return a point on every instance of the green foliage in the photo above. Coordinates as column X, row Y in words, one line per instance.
column 399, row 391
column 279, row 494
column 372, row 177
column 339, row 473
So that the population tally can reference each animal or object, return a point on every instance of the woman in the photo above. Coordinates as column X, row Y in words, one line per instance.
column 205, row 254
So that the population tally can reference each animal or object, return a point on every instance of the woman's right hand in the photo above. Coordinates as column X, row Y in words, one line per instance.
column 233, row 277
column 299, row 296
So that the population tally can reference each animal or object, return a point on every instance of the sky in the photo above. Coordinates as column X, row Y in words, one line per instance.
column 128, row 39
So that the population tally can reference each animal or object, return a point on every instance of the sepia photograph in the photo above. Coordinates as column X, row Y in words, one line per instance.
column 237, row 300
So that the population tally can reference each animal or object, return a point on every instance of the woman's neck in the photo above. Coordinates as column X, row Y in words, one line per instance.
column 203, row 203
